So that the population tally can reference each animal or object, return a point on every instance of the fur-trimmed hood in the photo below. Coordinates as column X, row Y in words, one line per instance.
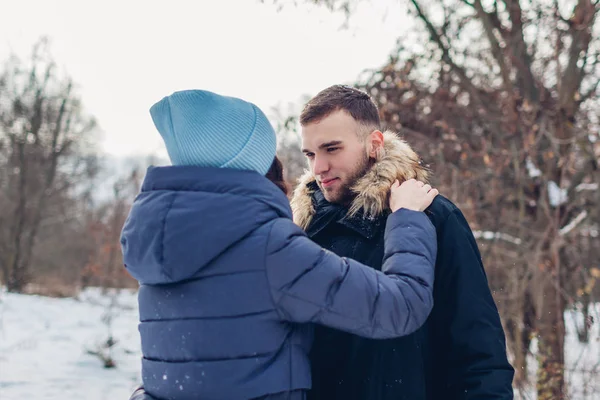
column 397, row 160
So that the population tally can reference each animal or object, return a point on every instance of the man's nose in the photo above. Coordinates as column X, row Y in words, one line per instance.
column 320, row 165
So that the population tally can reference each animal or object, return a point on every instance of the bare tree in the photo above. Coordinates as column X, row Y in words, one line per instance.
column 46, row 148
column 501, row 98
column 104, row 266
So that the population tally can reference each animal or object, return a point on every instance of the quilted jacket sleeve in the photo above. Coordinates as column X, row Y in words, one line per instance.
column 311, row 284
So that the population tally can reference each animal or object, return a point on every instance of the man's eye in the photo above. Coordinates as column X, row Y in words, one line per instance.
column 332, row 149
column 309, row 155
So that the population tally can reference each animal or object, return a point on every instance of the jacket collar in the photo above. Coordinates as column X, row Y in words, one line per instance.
column 228, row 181
column 328, row 213
column 397, row 160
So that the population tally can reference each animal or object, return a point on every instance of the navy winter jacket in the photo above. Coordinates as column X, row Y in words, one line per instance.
column 228, row 284
column 459, row 353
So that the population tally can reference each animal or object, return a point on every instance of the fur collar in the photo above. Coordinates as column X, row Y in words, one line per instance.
column 396, row 161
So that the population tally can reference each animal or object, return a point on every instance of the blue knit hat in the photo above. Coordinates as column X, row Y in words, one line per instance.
column 205, row 129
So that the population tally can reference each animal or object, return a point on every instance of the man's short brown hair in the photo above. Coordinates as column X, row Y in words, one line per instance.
column 341, row 97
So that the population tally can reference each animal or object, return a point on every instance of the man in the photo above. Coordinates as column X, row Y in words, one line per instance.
column 460, row 352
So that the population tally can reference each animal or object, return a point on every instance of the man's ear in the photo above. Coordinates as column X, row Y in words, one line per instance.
column 374, row 143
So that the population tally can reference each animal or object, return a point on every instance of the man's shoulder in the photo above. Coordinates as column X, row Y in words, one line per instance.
column 440, row 210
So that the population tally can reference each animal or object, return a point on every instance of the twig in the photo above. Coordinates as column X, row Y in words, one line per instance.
column 473, row 91
column 573, row 224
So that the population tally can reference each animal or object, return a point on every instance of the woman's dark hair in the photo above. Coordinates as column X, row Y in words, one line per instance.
column 275, row 175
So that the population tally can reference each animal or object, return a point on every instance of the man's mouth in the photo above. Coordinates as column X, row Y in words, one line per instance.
column 328, row 182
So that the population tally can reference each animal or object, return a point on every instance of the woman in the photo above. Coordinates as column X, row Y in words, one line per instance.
column 229, row 285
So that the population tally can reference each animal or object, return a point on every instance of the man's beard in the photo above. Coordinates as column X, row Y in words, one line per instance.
column 344, row 194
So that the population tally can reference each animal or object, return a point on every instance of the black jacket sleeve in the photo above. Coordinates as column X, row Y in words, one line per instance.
column 467, row 322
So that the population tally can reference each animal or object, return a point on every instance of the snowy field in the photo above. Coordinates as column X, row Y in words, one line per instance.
column 44, row 345
column 582, row 359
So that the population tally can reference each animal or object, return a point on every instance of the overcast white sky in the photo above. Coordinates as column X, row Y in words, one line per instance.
column 125, row 55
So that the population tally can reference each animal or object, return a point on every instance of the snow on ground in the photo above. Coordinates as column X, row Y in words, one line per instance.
column 582, row 359
column 44, row 343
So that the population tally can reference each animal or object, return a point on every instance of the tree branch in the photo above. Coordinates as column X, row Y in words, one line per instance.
column 473, row 91
column 521, row 58
column 491, row 235
column 581, row 21
column 573, row 224
column 494, row 44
